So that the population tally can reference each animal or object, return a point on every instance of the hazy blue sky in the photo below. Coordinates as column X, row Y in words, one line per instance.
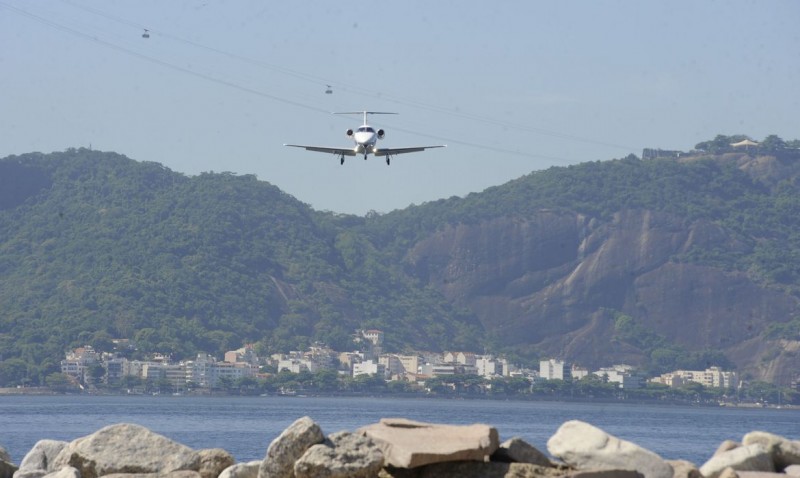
column 511, row 87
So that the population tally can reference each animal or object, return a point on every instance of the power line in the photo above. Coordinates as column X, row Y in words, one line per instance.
column 361, row 91
column 299, row 75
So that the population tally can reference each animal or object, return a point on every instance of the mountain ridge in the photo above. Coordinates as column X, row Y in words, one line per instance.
column 652, row 262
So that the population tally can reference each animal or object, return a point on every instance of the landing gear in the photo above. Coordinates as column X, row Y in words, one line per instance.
column 341, row 160
column 365, row 156
column 388, row 160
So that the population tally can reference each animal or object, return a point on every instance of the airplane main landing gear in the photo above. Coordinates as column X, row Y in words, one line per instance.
column 341, row 160
column 388, row 160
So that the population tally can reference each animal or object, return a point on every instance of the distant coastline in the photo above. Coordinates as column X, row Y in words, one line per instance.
column 44, row 391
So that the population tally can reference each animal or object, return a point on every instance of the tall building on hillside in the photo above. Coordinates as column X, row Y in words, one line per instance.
column 554, row 369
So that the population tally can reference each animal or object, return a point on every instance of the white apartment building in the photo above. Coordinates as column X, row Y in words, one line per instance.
column 245, row 354
column 624, row 375
column 297, row 365
column 553, row 369
column 392, row 364
column 410, row 363
column 710, row 377
column 488, row 367
column 369, row 367
column 78, row 361
column 463, row 358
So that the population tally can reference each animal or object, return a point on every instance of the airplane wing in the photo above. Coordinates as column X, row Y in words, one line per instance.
column 323, row 149
column 393, row 151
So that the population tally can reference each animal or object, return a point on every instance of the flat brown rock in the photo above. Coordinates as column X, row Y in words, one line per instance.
column 409, row 444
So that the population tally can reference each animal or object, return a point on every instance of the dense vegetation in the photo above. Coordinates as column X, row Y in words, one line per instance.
column 95, row 246
column 763, row 216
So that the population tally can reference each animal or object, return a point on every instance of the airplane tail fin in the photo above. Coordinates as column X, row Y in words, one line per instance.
column 365, row 113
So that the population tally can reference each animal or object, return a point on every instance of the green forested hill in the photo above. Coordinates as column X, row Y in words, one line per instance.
column 761, row 211
column 96, row 246
column 595, row 262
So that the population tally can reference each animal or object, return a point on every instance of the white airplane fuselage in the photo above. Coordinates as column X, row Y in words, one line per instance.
column 365, row 138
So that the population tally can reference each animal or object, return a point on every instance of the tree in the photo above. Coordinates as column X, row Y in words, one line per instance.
column 772, row 144
column 59, row 382
column 13, row 372
column 96, row 373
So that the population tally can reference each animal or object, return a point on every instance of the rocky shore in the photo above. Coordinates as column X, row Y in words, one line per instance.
column 398, row 448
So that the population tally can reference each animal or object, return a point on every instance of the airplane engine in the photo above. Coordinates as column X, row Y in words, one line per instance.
column 381, row 133
column 349, row 133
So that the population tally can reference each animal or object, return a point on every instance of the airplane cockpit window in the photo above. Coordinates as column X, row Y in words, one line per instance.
column 366, row 129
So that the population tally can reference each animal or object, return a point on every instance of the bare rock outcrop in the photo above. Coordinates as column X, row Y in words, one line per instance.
column 288, row 447
column 784, row 452
column 399, row 448
column 37, row 462
column 125, row 448
column 755, row 457
column 213, row 461
column 65, row 472
column 517, row 450
column 242, row 470
column 584, row 446
column 409, row 444
column 343, row 455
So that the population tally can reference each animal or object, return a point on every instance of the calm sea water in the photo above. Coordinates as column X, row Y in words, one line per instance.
column 244, row 426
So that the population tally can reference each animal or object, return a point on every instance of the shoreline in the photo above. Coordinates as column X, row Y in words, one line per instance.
column 43, row 391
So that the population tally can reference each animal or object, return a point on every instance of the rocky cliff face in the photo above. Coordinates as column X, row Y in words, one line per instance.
column 550, row 281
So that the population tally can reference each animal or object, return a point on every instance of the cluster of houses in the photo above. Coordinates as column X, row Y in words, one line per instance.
column 627, row 377
column 205, row 371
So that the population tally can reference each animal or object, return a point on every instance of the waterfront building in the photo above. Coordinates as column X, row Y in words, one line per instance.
column 369, row 367
column 554, row 369
column 624, row 375
column 710, row 377
column 78, row 361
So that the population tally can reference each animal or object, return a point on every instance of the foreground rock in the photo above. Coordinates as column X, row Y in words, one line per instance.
column 587, row 447
column 784, row 452
column 517, row 450
column 7, row 468
column 409, row 444
column 127, row 448
column 290, row 445
column 343, row 455
column 755, row 457
column 36, row 463
column 398, row 448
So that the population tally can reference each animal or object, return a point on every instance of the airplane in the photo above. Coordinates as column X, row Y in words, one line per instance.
column 366, row 139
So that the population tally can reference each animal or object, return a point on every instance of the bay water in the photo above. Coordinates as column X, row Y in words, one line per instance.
column 244, row 426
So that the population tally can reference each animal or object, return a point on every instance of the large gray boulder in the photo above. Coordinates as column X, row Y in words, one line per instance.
column 65, row 472
column 755, row 457
column 288, row 447
column 409, row 444
column 784, row 451
column 242, row 470
column 37, row 461
column 171, row 474
column 517, row 450
column 494, row 469
column 584, row 446
column 344, row 455
column 7, row 469
column 125, row 448
column 684, row 469
column 214, row 461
